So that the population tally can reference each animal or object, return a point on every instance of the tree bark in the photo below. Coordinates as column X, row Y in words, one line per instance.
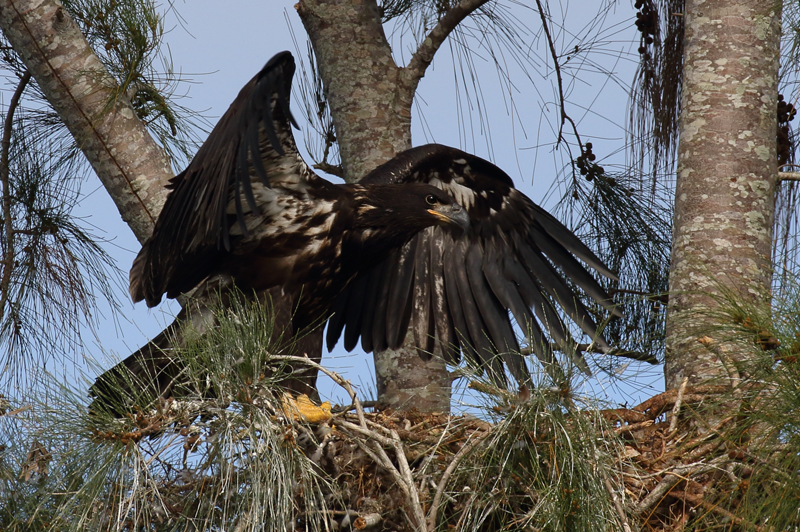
column 727, row 171
column 129, row 163
column 372, row 121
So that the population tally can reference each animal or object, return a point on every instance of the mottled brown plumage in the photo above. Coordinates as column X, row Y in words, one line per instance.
column 456, row 292
column 248, row 211
column 435, row 239
column 248, row 207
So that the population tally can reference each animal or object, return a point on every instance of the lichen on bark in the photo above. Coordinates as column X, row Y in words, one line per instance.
column 727, row 170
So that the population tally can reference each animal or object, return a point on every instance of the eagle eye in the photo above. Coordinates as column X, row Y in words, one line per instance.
column 430, row 199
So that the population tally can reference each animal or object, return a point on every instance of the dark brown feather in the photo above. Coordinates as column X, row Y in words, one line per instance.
column 249, row 210
column 513, row 261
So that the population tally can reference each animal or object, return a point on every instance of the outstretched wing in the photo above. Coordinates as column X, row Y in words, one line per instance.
column 250, row 150
column 460, row 289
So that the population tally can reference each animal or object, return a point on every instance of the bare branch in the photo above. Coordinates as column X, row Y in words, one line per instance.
column 626, row 527
column 8, row 260
column 333, row 169
column 673, row 422
column 788, row 176
column 437, row 498
column 672, row 478
column 423, row 57
column 564, row 116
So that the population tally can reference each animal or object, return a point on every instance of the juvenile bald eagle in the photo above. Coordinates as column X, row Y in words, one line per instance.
column 434, row 230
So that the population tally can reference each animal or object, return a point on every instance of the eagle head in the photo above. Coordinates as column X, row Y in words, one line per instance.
column 409, row 208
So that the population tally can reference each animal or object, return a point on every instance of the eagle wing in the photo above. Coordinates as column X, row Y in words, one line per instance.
column 213, row 198
column 459, row 289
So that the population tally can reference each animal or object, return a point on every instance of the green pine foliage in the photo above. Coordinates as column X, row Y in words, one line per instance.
column 547, row 465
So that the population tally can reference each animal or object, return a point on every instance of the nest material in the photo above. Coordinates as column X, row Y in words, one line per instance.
column 681, row 466
column 675, row 470
column 398, row 471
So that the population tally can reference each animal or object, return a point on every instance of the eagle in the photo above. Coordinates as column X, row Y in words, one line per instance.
column 435, row 239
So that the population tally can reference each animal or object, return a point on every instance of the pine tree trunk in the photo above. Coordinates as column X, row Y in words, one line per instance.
column 727, row 170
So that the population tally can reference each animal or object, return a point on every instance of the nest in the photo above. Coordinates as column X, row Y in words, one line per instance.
column 684, row 462
column 666, row 464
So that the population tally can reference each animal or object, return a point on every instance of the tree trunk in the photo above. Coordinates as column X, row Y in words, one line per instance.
column 727, row 170
column 370, row 99
column 131, row 166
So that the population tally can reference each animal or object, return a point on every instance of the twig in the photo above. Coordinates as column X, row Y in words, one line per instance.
column 673, row 422
column 672, row 478
column 625, row 415
column 437, row 498
column 333, row 169
column 8, row 260
column 618, row 506
column 593, row 348
column 379, row 427
column 405, row 471
column 634, row 426
column 432, row 452
column 661, row 298
column 557, row 67
column 654, row 406
column 340, row 409
column 401, row 476
column 698, row 500
column 788, row 176
column 367, row 521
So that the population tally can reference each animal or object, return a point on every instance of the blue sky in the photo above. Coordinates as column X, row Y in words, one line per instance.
column 219, row 51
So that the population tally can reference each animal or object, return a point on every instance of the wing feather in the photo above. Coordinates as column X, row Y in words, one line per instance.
column 422, row 317
column 374, row 284
column 571, row 242
column 513, row 261
column 397, row 310
column 354, row 316
column 457, row 312
column 253, row 135
column 443, row 321
column 338, row 318
column 379, row 340
column 476, row 327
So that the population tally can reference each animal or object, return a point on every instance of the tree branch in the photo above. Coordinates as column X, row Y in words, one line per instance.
column 564, row 116
column 8, row 260
column 131, row 166
column 423, row 57
column 788, row 176
column 671, row 479
column 626, row 527
column 437, row 498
